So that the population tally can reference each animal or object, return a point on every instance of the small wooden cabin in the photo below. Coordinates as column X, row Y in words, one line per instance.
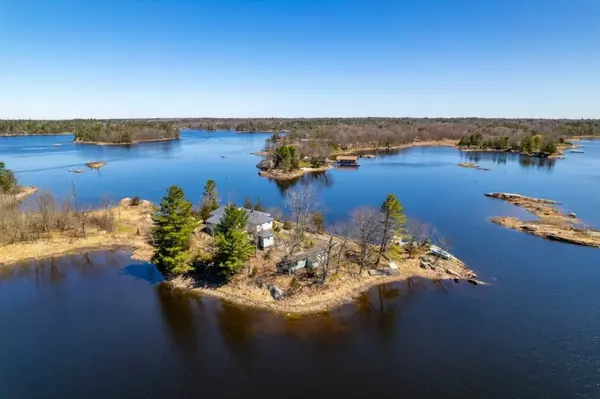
column 347, row 160
column 311, row 259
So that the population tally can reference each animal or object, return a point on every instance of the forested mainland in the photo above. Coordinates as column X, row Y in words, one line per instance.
column 340, row 131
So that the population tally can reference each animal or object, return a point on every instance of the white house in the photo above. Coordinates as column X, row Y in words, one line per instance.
column 260, row 224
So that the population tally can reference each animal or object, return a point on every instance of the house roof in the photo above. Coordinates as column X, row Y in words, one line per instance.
column 347, row 158
column 254, row 217
column 265, row 234
column 310, row 253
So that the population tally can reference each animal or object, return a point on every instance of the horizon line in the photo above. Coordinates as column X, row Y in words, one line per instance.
column 168, row 118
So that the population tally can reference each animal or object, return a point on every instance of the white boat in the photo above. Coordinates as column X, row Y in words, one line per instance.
column 434, row 249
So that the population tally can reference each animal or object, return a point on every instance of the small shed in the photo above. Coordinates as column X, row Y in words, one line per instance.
column 265, row 239
column 311, row 258
column 347, row 160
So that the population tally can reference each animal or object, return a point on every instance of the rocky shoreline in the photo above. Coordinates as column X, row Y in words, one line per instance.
column 20, row 193
column 552, row 224
column 290, row 175
column 333, row 295
column 418, row 143
column 471, row 166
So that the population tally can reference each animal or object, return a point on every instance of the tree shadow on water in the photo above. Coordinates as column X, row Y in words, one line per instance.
column 144, row 271
column 318, row 179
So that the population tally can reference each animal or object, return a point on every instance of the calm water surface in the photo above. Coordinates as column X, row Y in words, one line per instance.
column 99, row 326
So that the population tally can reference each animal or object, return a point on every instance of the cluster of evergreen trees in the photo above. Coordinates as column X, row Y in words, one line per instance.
column 528, row 144
column 286, row 158
column 8, row 182
column 174, row 224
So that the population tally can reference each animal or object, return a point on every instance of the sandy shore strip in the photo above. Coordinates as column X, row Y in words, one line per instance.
column 284, row 175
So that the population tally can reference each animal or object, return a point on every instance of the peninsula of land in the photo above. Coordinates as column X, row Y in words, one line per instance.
column 129, row 224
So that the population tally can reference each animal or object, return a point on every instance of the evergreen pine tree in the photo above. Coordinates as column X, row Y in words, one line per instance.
column 318, row 222
column 258, row 206
column 393, row 220
column 248, row 203
column 232, row 219
column 535, row 143
column 7, row 179
column 233, row 250
column 210, row 199
column 233, row 243
column 172, row 230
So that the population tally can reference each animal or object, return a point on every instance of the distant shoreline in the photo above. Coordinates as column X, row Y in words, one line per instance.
column 427, row 143
column 103, row 143
column 36, row 134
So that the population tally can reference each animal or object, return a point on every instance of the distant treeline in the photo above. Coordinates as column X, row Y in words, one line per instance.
column 526, row 144
column 90, row 130
column 337, row 131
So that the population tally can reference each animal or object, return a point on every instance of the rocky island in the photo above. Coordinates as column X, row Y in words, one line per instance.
column 95, row 164
column 552, row 224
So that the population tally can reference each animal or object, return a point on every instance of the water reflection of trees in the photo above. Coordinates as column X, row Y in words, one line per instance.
column 505, row 157
column 382, row 306
column 237, row 329
column 56, row 270
column 318, row 179
column 179, row 317
column 538, row 162
column 133, row 150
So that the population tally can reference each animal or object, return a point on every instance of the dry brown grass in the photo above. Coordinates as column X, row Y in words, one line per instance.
column 305, row 291
column 131, row 225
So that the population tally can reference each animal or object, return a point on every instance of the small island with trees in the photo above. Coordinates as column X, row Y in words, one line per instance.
column 531, row 144
column 92, row 131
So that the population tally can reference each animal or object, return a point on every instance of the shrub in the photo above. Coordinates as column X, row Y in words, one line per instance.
column 136, row 201
column 7, row 179
column 549, row 147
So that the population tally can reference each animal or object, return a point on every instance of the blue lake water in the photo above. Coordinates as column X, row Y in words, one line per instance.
column 99, row 326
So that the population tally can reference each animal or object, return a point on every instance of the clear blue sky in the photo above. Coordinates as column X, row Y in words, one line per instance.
column 125, row 58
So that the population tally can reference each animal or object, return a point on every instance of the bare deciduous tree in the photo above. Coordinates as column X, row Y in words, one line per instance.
column 300, row 203
column 345, row 232
column 328, row 245
column 418, row 233
column 367, row 229
column 46, row 208
column 80, row 212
